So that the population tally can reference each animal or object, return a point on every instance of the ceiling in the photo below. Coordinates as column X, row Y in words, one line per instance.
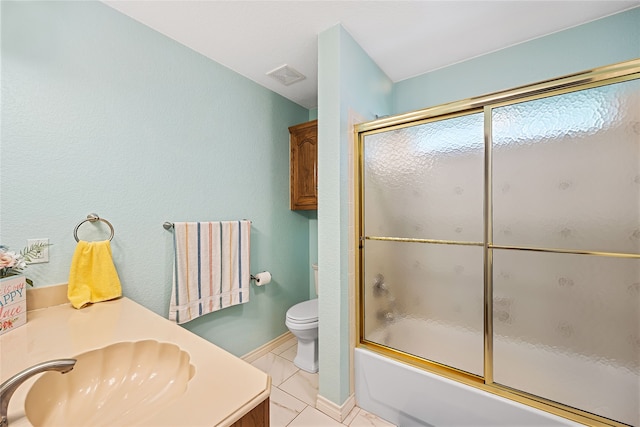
column 404, row 38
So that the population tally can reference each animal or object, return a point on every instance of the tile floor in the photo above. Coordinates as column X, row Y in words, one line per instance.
column 293, row 394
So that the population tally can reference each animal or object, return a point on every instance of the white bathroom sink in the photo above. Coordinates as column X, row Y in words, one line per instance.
column 121, row 384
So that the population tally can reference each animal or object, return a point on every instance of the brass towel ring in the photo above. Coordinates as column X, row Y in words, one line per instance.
column 92, row 218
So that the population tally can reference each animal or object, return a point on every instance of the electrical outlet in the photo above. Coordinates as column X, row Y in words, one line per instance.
column 43, row 254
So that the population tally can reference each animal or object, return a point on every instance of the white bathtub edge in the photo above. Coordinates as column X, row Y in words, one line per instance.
column 404, row 395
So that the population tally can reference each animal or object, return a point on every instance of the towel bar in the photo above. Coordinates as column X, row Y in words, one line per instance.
column 169, row 225
column 92, row 218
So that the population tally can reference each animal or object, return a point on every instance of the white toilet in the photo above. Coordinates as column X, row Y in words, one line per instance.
column 302, row 321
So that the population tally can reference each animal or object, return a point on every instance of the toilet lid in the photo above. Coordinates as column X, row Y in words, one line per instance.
column 304, row 312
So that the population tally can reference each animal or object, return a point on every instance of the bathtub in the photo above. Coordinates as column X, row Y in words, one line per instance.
column 408, row 396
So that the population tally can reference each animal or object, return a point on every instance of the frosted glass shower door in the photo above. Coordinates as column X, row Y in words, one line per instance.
column 423, row 227
column 566, row 227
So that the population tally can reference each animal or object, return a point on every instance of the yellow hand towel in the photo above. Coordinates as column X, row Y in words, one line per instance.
column 93, row 277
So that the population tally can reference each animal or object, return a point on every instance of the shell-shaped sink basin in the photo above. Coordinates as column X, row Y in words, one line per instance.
column 121, row 384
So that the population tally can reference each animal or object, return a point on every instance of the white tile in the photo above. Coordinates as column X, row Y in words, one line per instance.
column 351, row 415
column 367, row 419
column 311, row 417
column 283, row 407
column 303, row 386
column 285, row 345
column 279, row 368
column 290, row 353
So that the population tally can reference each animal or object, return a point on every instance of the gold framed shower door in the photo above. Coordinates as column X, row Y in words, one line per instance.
column 602, row 76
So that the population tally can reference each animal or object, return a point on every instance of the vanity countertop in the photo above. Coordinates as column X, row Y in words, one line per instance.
column 223, row 389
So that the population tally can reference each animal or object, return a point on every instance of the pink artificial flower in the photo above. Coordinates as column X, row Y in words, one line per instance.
column 7, row 259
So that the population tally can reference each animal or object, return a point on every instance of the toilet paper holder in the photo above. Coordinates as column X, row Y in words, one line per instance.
column 261, row 278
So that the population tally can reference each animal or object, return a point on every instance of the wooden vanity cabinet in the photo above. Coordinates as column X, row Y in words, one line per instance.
column 258, row 417
column 304, row 166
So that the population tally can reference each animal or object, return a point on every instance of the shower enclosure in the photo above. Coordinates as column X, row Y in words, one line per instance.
column 500, row 243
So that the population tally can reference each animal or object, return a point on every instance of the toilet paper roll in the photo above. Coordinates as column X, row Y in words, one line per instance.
column 263, row 278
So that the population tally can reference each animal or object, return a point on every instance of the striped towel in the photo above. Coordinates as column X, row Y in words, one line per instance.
column 211, row 267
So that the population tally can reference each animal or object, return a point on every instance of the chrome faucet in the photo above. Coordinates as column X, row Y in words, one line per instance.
column 9, row 386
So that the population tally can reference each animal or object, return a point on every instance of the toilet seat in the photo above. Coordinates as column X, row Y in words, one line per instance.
column 302, row 321
column 303, row 313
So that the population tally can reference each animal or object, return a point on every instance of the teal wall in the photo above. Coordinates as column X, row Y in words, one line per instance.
column 102, row 114
column 349, row 82
column 606, row 41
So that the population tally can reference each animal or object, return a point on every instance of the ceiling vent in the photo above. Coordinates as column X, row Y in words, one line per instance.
column 286, row 75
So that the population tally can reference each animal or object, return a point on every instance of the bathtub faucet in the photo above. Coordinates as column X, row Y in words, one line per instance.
column 9, row 386
column 379, row 287
column 386, row 316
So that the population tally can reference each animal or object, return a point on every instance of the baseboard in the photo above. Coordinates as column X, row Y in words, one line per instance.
column 337, row 412
column 266, row 348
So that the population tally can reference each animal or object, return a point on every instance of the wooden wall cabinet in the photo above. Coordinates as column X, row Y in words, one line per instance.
column 304, row 166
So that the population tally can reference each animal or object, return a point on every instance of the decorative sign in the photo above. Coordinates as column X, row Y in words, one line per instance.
column 13, row 303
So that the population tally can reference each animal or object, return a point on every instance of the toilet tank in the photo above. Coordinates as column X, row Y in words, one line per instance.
column 315, row 276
